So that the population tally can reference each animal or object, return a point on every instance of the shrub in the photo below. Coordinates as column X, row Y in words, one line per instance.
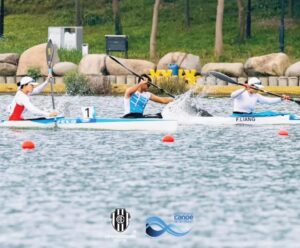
column 34, row 72
column 173, row 85
column 76, row 84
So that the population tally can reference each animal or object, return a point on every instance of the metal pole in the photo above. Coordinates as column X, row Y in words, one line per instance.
column 2, row 19
column 248, row 26
column 281, row 29
column 187, row 12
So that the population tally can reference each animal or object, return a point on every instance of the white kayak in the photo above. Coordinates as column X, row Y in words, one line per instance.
column 138, row 124
column 261, row 118
column 271, row 120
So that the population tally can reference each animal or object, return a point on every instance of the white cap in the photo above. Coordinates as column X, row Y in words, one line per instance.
column 255, row 82
column 27, row 80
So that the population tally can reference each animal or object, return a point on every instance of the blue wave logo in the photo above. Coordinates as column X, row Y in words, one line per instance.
column 161, row 227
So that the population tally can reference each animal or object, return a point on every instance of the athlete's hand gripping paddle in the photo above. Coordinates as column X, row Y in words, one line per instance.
column 139, row 76
column 224, row 77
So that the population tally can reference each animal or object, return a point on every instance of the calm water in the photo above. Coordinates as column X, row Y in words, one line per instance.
column 240, row 183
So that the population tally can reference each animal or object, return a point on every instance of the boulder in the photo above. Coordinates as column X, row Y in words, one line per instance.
column 7, row 69
column 183, row 60
column 10, row 58
column 273, row 64
column 230, row 69
column 293, row 70
column 92, row 64
column 136, row 65
column 61, row 68
column 35, row 57
column 99, row 85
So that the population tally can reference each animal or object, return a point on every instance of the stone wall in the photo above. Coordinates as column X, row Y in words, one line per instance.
column 130, row 79
column 266, row 81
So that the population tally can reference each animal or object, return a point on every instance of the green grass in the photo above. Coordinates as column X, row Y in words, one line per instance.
column 26, row 26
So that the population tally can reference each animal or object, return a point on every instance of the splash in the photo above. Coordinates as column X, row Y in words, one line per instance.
column 185, row 106
column 65, row 105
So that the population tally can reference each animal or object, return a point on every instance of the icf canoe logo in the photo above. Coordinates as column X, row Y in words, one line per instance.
column 155, row 226
column 120, row 219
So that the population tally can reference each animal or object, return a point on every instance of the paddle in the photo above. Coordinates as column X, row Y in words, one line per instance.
column 49, row 56
column 223, row 77
column 139, row 76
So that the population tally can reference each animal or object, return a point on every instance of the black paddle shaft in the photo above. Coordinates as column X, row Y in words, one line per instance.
column 139, row 76
column 224, row 77
column 49, row 56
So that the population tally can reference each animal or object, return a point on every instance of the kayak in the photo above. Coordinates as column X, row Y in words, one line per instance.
column 276, row 120
column 260, row 118
column 140, row 124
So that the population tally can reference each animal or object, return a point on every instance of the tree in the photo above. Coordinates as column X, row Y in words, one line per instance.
column 242, row 22
column 291, row 8
column 2, row 19
column 77, row 13
column 117, row 16
column 187, row 12
column 219, row 27
column 248, row 26
column 154, row 30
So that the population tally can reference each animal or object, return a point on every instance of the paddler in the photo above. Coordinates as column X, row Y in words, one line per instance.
column 21, row 102
column 246, row 99
column 137, row 97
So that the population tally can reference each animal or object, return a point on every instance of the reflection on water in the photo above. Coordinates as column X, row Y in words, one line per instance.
column 241, row 183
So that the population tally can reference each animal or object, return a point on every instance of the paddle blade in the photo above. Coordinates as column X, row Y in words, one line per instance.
column 49, row 53
column 223, row 77
column 296, row 101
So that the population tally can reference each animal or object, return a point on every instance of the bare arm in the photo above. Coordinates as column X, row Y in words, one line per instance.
column 163, row 100
column 131, row 90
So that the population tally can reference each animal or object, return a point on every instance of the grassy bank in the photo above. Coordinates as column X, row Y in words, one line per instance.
column 26, row 26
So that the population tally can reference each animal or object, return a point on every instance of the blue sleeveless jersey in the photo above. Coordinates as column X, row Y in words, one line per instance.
column 138, row 103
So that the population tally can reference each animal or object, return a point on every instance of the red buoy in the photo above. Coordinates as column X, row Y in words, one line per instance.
column 28, row 144
column 168, row 138
column 283, row 132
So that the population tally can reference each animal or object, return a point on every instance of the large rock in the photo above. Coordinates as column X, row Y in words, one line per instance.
column 293, row 70
column 136, row 65
column 10, row 58
column 7, row 69
column 61, row 68
column 184, row 60
column 99, row 85
column 93, row 64
column 35, row 57
column 273, row 64
column 230, row 69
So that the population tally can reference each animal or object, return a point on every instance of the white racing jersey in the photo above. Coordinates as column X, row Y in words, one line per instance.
column 21, row 103
column 245, row 102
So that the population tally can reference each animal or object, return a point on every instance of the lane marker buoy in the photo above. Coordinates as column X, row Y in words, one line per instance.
column 28, row 144
column 283, row 132
column 168, row 138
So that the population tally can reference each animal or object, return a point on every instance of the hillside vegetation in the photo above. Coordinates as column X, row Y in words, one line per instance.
column 27, row 21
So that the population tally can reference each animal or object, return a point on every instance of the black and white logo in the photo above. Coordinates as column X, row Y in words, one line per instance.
column 120, row 219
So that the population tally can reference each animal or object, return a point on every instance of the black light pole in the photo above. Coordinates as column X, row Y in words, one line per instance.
column 248, row 26
column 281, row 29
column 187, row 12
column 2, row 19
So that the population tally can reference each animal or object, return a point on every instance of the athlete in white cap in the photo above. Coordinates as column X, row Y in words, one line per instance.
column 246, row 99
column 21, row 101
